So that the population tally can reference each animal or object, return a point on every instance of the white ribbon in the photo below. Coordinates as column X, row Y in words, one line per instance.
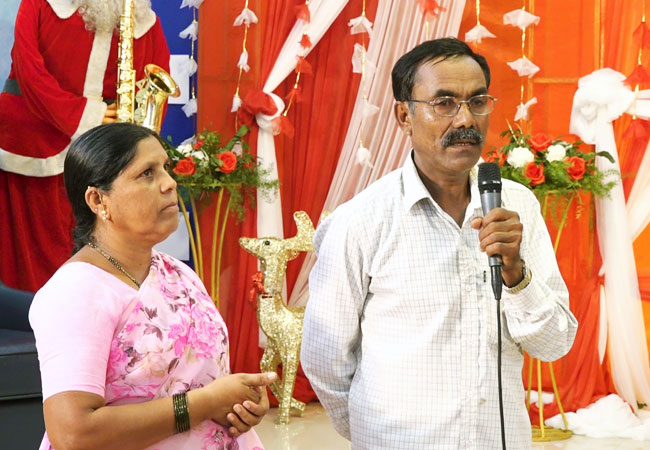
column 600, row 99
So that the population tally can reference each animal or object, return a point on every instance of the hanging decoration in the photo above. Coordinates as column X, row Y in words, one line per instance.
column 523, row 66
column 190, row 67
column 245, row 18
column 479, row 32
column 430, row 9
column 281, row 124
column 639, row 128
column 361, row 64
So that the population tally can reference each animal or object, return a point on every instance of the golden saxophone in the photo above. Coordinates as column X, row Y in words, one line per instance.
column 146, row 107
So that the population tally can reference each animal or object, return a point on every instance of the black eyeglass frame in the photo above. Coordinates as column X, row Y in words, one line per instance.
column 433, row 103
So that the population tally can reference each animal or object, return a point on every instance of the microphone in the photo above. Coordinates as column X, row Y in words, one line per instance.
column 489, row 185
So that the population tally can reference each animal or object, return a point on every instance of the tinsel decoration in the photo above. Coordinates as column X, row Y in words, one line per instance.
column 639, row 128
column 282, row 124
column 282, row 326
column 190, row 67
column 430, row 9
column 524, row 67
column 479, row 32
column 360, row 64
column 245, row 19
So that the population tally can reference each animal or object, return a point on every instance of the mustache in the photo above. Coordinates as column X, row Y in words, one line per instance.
column 462, row 134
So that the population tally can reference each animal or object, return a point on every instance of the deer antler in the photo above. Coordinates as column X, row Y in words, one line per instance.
column 302, row 241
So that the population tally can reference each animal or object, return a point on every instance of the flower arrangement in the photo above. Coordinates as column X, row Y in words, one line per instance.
column 204, row 167
column 551, row 166
column 553, row 169
column 203, row 164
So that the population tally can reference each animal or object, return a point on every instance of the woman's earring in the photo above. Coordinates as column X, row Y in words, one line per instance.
column 104, row 215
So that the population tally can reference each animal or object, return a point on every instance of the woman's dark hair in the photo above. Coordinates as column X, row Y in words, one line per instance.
column 96, row 158
column 406, row 67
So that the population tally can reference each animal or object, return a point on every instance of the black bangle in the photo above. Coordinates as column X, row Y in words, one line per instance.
column 181, row 413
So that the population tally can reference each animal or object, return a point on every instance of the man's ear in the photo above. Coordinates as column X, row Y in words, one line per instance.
column 403, row 116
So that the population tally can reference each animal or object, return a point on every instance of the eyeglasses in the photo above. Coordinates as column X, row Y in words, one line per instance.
column 479, row 105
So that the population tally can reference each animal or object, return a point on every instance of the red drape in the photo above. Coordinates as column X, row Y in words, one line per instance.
column 306, row 163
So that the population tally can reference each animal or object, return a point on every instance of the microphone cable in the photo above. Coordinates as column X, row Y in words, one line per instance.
column 503, row 428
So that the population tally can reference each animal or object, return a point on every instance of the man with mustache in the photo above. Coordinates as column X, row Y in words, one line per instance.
column 62, row 82
column 400, row 335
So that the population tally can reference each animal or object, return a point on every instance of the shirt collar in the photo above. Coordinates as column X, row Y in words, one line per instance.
column 415, row 191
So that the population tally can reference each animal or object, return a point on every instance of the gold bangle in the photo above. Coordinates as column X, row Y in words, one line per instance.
column 528, row 275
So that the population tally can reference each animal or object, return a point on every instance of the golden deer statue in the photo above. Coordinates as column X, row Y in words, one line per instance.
column 281, row 324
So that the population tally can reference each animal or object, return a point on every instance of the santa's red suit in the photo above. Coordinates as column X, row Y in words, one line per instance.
column 60, row 75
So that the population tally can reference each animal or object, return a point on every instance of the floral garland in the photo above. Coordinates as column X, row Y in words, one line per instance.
column 552, row 166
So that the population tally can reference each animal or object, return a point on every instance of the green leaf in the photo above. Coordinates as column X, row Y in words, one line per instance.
column 605, row 154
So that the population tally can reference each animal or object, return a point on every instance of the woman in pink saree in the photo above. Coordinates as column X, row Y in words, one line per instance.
column 133, row 352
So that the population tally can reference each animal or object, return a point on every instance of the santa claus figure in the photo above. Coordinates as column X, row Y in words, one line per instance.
column 62, row 81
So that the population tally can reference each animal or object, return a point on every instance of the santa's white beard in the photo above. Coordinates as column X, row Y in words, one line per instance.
column 104, row 15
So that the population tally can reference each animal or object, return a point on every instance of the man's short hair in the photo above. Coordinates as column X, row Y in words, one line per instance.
column 406, row 67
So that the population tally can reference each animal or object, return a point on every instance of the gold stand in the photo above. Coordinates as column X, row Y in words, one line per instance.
column 542, row 433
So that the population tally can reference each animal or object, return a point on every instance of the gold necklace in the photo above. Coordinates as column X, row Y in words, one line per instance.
column 114, row 262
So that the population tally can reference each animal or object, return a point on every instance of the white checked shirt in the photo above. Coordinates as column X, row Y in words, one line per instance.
column 400, row 340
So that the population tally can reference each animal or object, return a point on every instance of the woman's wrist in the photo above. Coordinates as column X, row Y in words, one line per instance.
column 198, row 401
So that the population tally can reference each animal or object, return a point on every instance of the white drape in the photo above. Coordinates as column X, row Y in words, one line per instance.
column 323, row 13
column 398, row 28
column 638, row 203
column 601, row 98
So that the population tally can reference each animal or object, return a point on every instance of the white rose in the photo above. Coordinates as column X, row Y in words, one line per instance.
column 520, row 156
column 185, row 149
column 200, row 157
column 556, row 152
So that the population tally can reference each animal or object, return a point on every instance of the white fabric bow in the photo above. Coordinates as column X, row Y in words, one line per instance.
column 600, row 99
column 246, row 17
column 524, row 67
column 360, row 25
column 477, row 33
column 191, row 3
column 190, row 32
column 522, row 109
column 520, row 18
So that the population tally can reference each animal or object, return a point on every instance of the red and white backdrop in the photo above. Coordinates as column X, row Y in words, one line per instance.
column 337, row 135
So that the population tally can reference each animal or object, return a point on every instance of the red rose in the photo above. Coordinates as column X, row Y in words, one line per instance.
column 229, row 160
column 535, row 173
column 494, row 156
column 198, row 144
column 577, row 168
column 540, row 142
column 185, row 167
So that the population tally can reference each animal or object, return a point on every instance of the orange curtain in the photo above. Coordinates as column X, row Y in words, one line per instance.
column 564, row 53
